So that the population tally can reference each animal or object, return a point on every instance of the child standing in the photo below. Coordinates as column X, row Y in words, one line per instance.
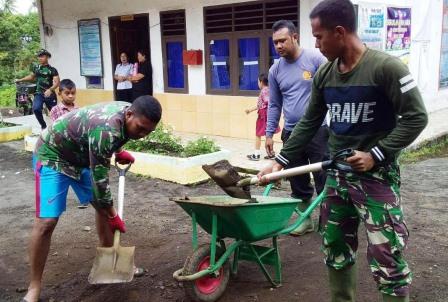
column 262, row 110
column 67, row 92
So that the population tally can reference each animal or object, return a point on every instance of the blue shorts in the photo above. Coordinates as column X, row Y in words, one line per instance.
column 52, row 188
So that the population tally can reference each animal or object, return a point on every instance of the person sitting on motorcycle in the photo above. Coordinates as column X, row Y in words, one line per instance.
column 47, row 80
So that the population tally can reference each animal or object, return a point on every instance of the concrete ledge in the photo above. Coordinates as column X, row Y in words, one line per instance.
column 14, row 133
column 180, row 170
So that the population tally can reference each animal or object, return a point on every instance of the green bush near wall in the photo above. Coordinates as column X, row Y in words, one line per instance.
column 162, row 141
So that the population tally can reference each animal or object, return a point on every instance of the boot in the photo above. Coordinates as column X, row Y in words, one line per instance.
column 388, row 298
column 307, row 224
column 343, row 284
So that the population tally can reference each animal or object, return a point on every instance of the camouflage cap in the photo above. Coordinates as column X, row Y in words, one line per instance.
column 43, row 52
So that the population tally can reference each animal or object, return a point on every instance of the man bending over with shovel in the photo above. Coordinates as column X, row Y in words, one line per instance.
column 376, row 109
column 76, row 151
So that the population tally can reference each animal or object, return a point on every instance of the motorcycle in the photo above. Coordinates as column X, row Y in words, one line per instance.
column 24, row 97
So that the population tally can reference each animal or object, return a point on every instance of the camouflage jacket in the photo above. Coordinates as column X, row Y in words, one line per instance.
column 85, row 138
column 44, row 77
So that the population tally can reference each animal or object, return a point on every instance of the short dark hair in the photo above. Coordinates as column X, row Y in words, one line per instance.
column 143, row 52
column 284, row 24
column 148, row 106
column 66, row 84
column 334, row 13
column 263, row 78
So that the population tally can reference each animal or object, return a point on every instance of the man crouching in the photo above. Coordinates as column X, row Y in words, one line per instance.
column 76, row 151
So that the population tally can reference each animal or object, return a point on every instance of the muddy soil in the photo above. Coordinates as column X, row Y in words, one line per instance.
column 161, row 232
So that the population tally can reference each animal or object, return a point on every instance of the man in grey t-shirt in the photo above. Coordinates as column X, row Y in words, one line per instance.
column 290, row 80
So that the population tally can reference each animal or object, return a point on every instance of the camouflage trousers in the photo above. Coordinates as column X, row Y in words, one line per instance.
column 374, row 199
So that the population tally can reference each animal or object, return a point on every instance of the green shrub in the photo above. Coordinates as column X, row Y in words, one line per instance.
column 163, row 141
column 202, row 145
column 7, row 96
column 160, row 141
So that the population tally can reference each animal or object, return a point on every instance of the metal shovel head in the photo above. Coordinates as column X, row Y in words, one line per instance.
column 113, row 265
column 226, row 176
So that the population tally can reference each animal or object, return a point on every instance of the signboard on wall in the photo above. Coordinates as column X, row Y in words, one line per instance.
column 371, row 25
column 90, row 54
column 443, row 78
column 398, row 37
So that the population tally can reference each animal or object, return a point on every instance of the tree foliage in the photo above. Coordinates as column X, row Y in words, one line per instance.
column 19, row 42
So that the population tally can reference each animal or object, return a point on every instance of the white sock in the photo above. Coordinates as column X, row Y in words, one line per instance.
column 257, row 152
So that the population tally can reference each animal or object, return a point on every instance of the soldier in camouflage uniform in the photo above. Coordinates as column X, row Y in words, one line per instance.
column 75, row 152
column 47, row 80
column 376, row 109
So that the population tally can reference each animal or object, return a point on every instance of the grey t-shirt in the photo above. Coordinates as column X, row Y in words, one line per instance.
column 290, row 88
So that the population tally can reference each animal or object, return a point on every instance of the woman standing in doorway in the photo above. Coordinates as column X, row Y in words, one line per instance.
column 142, row 80
column 122, row 72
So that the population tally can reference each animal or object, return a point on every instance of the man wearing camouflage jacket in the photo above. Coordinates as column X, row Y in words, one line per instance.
column 75, row 152
column 376, row 109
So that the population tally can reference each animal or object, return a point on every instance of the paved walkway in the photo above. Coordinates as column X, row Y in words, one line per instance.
column 437, row 126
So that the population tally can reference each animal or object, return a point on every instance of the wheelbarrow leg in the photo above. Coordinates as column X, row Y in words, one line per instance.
column 278, row 262
column 258, row 258
column 214, row 239
column 195, row 231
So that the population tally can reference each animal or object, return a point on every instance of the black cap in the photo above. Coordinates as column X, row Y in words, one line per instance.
column 43, row 52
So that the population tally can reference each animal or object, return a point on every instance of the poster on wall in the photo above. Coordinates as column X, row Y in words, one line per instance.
column 371, row 24
column 398, row 28
column 91, row 60
column 443, row 78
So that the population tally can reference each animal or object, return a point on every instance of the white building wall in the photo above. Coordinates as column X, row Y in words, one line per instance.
column 63, row 15
column 426, row 30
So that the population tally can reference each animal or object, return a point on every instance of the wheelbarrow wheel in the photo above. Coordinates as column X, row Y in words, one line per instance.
column 208, row 288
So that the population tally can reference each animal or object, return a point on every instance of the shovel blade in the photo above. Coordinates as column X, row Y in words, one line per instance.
column 226, row 176
column 113, row 265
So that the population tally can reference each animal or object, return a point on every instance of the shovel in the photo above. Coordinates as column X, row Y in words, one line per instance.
column 226, row 176
column 114, row 264
column 338, row 162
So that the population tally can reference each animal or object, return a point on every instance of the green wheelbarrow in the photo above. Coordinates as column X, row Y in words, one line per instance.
column 207, row 270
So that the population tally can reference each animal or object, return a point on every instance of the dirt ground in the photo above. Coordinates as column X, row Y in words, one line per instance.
column 160, row 230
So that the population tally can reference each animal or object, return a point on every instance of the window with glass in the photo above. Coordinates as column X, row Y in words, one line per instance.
column 173, row 44
column 238, row 43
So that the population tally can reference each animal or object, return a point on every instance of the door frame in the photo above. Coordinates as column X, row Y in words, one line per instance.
column 112, row 42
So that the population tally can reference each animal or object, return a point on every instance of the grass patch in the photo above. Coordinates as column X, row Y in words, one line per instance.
column 432, row 149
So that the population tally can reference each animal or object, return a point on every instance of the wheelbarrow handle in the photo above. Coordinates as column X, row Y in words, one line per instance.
column 338, row 162
column 282, row 174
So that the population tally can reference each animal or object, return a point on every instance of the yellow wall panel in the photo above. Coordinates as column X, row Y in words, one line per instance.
column 221, row 124
column 206, row 114
column 221, row 104
column 189, row 121
column 204, row 103
column 204, row 123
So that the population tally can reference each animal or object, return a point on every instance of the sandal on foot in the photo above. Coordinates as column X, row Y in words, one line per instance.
column 253, row 157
